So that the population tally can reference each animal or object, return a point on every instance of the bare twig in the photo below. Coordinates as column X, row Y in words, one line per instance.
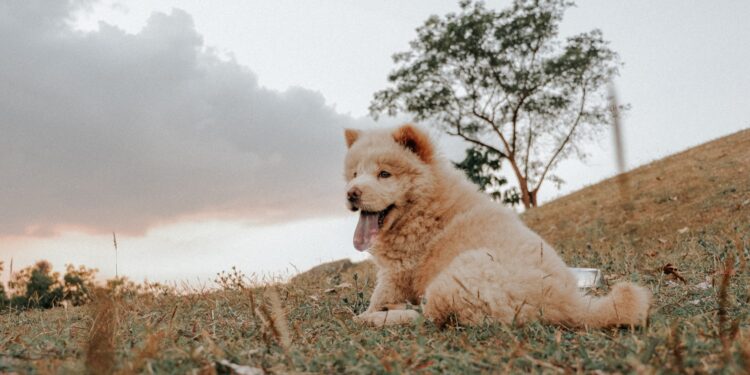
column 461, row 134
column 565, row 141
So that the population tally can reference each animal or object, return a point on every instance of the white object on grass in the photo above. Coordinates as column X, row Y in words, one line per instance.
column 588, row 278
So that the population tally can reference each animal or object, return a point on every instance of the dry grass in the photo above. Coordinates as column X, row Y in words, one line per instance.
column 699, row 325
column 100, row 353
column 704, row 189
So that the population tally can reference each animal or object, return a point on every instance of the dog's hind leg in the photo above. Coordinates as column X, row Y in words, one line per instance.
column 471, row 289
column 478, row 285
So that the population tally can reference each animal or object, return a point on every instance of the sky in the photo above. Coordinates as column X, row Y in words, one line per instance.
column 210, row 134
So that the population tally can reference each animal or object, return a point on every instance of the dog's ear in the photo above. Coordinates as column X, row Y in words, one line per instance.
column 415, row 141
column 351, row 136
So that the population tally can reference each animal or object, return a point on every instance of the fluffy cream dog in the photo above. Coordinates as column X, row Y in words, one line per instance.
column 437, row 240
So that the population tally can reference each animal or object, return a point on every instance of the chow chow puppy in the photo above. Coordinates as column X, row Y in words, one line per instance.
column 439, row 242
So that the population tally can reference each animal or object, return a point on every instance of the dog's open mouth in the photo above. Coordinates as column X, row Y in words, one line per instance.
column 368, row 227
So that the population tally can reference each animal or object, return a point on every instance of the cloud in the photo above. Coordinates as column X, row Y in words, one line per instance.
column 106, row 130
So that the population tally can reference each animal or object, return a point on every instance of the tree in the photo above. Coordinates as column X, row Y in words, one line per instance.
column 504, row 82
column 78, row 284
column 38, row 286
column 17, row 287
column 122, row 286
column 481, row 166
column 43, row 289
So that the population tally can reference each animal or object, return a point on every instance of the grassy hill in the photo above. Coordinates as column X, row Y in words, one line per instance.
column 680, row 226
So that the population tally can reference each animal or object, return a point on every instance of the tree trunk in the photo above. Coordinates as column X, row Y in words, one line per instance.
column 525, row 196
column 532, row 198
column 528, row 198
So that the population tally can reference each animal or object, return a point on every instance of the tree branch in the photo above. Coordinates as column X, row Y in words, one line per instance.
column 534, row 52
column 566, row 140
column 489, row 100
column 522, row 180
column 528, row 150
column 482, row 116
column 460, row 133
column 514, row 120
column 505, row 100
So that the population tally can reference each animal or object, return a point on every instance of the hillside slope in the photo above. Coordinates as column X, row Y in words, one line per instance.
column 657, row 210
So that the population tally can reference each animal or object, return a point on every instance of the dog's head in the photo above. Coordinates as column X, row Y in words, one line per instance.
column 385, row 171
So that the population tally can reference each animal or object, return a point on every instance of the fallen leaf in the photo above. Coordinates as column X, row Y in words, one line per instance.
column 682, row 230
column 663, row 241
column 669, row 269
column 424, row 365
column 704, row 285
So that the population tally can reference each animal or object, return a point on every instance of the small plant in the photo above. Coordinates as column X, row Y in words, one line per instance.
column 357, row 302
column 231, row 280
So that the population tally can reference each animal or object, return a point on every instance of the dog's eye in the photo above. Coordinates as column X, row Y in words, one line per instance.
column 384, row 174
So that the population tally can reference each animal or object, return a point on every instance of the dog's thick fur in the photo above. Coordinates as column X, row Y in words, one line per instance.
column 444, row 244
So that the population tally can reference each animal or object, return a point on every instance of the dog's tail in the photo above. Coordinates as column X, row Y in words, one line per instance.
column 626, row 305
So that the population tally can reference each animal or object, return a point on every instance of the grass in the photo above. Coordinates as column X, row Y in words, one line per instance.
column 688, row 216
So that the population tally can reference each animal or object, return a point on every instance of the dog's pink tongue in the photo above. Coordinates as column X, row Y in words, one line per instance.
column 366, row 230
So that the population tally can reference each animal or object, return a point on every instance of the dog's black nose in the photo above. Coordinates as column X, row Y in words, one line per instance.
column 354, row 194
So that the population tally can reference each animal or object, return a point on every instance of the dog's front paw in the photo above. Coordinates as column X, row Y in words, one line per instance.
column 386, row 318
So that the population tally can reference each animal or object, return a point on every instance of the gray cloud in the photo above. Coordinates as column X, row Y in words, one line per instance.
column 111, row 131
